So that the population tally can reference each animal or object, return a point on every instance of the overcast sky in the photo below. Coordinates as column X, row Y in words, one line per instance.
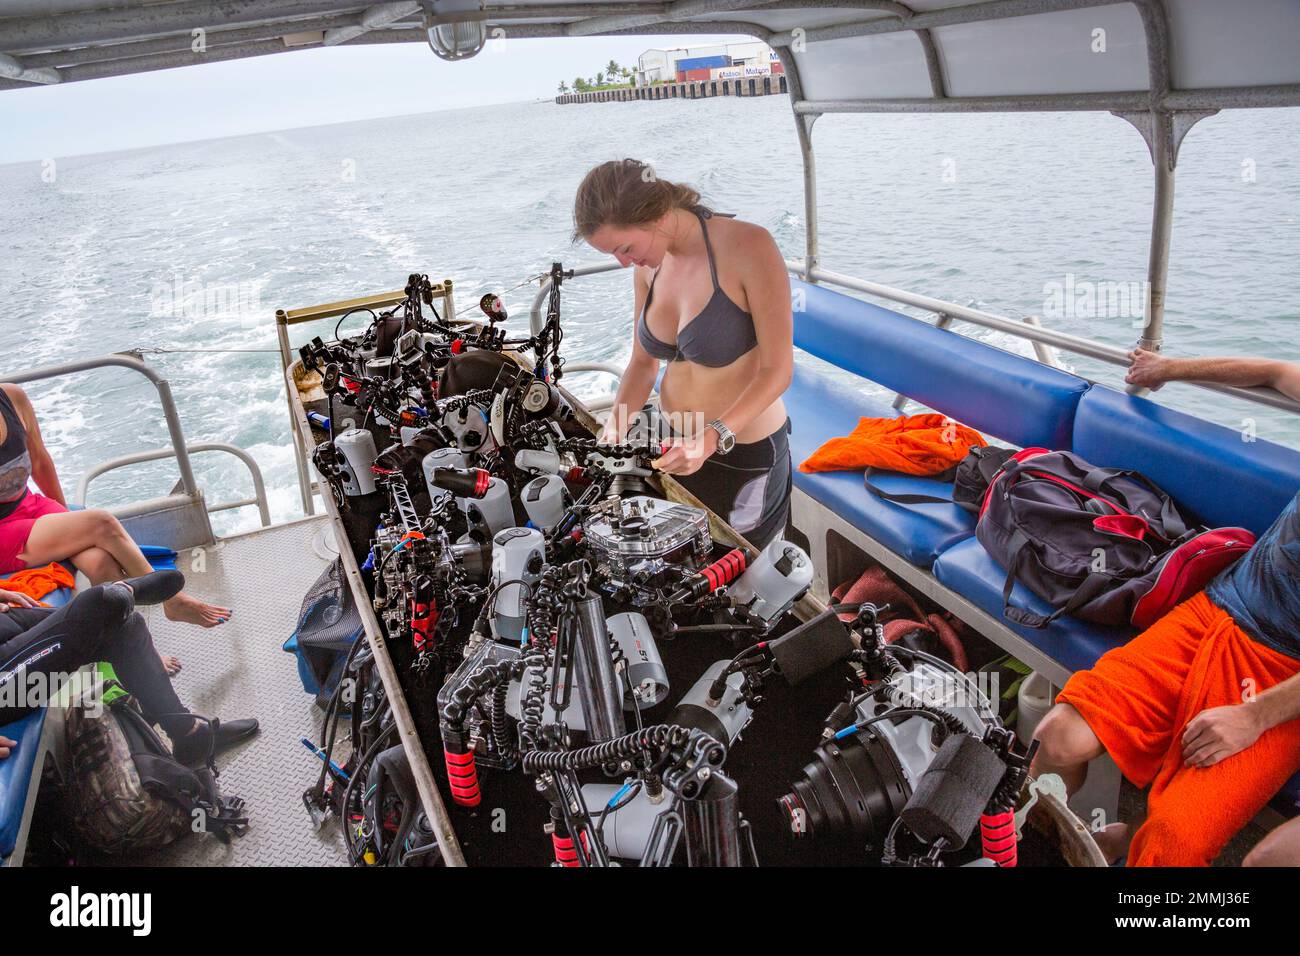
column 299, row 88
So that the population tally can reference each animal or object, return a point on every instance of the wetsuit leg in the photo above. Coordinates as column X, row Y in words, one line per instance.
column 99, row 624
column 750, row 487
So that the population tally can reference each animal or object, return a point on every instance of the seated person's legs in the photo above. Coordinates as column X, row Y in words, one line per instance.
column 1137, row 701
column 1065, row 746
column 101, row 624
column 1279, row 848
column 100, row 547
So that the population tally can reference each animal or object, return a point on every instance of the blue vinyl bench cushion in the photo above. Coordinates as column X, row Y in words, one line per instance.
column 1209, row 469
column 821, row 409
column 1011, row 397
column 967, row 569
column 16, row 775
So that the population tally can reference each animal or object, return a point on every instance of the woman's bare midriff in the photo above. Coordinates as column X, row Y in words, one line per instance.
column 691, row 391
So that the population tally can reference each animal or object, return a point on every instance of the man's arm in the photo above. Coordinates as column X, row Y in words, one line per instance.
column 1151, row 370
column 43, row 470
column 1219, row 732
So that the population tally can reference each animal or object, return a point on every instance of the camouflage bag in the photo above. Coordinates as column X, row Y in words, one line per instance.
column 128, row 794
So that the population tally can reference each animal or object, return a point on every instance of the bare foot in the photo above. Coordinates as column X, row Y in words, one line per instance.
column 172, row 665
column 1113, row 840
column 191, row 610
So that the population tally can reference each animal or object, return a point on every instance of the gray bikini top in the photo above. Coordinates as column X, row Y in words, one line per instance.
column 15, row 459
column 719, row 335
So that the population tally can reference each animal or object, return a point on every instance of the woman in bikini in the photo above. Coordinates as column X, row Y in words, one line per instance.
column 37, row 529
column 722, row 322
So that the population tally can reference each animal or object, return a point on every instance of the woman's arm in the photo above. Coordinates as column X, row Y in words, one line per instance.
column 44, row 473
column 767, row 292
column 639, row 376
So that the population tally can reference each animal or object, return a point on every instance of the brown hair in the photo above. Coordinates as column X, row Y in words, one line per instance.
column 626, row 192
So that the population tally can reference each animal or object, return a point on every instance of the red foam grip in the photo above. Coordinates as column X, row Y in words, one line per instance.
column 998, row 836
column 725, row 570
column 566, row 854
column 462, row 777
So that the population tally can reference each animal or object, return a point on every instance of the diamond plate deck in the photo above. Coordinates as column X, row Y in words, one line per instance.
column 239, row 670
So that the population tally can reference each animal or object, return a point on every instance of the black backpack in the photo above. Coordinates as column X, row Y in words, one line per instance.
column 970, row 477
column 129, row 794
column 1102, row 544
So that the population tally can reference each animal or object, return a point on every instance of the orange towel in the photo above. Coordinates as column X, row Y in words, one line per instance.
column 913, row 444
column 1138, row 698
column 38, row 582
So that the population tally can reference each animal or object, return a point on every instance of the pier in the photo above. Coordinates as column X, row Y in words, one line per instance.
column 691, row 90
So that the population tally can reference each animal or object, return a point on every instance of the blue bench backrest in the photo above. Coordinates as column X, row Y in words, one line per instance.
column 1011, row 397
column 1211, row 470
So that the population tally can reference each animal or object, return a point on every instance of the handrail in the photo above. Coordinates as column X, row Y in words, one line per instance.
column 535, row 313
column 604, row 402
column 259, row 486
column 132, row 361
column 1029, row 329
column 1030, row 332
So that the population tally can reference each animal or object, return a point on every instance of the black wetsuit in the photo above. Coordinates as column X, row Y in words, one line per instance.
column 99, row 624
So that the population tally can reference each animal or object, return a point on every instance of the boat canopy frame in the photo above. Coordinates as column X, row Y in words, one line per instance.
column 1161, row 65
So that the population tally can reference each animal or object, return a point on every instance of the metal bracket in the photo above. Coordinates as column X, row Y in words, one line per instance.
column 1171, row 125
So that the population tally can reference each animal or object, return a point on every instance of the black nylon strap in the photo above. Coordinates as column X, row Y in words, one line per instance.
column 907, row 499
column 1093, row 585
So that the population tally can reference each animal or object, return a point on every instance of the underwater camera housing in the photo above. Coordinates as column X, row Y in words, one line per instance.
column 635, row 541
column 862, row 778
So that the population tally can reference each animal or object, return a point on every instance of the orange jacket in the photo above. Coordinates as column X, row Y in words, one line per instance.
column 924, row 444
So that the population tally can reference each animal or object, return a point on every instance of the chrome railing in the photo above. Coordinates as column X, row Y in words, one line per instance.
column 133, row 362
column 1030, row 328
column 180, row 450
column 259, row 485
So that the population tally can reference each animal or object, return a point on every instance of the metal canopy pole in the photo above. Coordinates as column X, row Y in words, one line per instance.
column 1162, row 216
column 803, row 125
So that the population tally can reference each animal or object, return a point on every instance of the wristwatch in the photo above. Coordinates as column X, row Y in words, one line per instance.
column 726, row 438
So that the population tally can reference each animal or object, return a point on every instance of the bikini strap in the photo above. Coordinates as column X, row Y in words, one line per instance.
column 649, row 292
column 702, row 215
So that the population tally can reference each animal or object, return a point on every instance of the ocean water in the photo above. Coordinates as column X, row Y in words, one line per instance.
column 190, row 248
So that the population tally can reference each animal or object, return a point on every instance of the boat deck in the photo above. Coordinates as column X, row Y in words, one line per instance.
column 239, row 670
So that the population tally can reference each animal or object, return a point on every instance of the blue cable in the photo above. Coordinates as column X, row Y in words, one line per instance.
column 619, row 794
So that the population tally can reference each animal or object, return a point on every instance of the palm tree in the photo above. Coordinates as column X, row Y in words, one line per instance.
column 564, row 87
column 612, row 69
column 600, row 77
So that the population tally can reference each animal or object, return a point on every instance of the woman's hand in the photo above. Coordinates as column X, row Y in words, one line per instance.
column 686, row 456
column 609, row 434
column 15, row 599
column 6, row 745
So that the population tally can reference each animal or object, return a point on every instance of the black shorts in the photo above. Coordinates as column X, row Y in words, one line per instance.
column 749, row 488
